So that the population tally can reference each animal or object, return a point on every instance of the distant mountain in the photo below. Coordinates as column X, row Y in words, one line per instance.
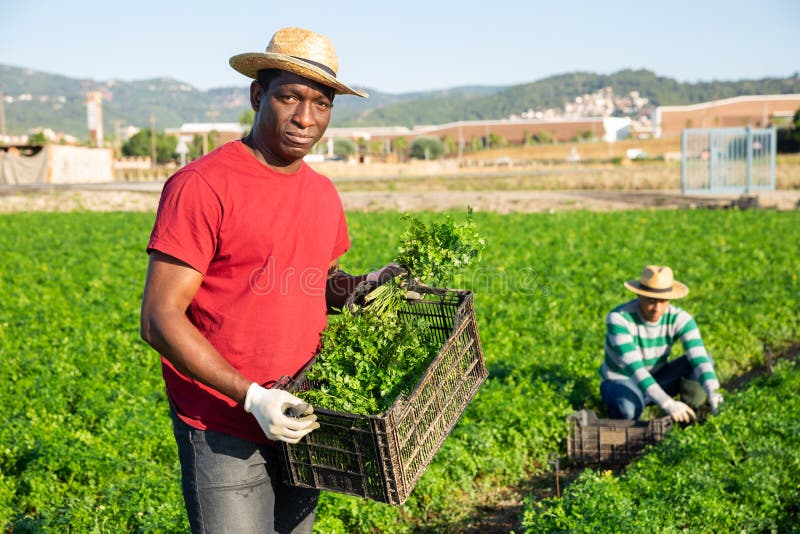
column 555, row 91
column 34, row 99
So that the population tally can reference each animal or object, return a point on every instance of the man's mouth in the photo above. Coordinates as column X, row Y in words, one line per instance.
column 299, row 139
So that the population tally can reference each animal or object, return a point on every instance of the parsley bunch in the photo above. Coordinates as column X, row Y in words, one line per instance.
column 369, row 356
column 367, row 360
column 437, row 252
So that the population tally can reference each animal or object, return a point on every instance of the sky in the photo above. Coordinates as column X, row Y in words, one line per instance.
column 408, row 45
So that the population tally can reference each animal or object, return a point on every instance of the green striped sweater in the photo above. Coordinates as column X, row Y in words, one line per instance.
column 637, row 349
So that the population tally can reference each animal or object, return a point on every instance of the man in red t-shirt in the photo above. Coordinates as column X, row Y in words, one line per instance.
column 243, row 268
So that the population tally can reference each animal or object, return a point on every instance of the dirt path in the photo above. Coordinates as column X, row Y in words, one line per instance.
column 125, row 196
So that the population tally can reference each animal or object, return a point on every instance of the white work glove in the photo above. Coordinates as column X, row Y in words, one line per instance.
column 680, row 412
column 275, row 411
column 386, row 273
column 715, row 400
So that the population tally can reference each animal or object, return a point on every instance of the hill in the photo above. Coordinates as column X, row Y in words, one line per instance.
column 554, row 91
column 34, row 99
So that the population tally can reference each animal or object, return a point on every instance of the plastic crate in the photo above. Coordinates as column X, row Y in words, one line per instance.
column 381, row 457
column 611, row 441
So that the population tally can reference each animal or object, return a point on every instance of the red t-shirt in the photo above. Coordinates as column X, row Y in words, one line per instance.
column 263, row 242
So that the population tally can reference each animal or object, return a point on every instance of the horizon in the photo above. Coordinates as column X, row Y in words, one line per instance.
column 417, row 47
column 792, row 75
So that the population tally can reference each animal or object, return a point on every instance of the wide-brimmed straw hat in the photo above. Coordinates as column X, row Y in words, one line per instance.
column 300, row 51
column 657, row 282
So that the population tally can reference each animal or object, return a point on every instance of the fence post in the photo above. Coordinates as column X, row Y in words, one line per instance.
column 684, row 155
column 749, row 135
column 712, row 169
column 773, row 143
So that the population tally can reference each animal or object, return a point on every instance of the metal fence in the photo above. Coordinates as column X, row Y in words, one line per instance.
column 727, row 160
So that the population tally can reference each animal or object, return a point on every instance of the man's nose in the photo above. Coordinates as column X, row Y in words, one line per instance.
column 303, row 114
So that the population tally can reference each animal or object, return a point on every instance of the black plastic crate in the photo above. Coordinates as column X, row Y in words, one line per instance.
column 611, row 441
column 381, row 457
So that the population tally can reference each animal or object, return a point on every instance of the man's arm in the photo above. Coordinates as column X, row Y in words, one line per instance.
column 693, row 346
column 169, row 288
column 700, row 360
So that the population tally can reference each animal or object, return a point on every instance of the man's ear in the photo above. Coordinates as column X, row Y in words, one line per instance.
column 256, row 93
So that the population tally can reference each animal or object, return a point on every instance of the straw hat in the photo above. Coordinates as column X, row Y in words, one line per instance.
column 657, row 282
column 300, row 51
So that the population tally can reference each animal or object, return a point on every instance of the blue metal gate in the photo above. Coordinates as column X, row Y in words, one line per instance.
column 727, row 160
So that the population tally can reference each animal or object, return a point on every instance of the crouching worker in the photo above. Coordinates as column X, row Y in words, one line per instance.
column 637, row 370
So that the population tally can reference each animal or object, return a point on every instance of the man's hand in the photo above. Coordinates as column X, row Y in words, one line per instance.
column 281, row 415
column 386, row 273
column 715, row 400
column 679, row 411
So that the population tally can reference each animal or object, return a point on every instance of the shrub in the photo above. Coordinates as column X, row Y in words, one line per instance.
column 426, row 148
column 344, row 147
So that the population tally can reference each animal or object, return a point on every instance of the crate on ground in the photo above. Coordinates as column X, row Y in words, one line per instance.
column 592, row 440
column 381, row 457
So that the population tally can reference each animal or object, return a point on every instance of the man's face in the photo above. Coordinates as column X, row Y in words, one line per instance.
column 652, row 309
column 291, row 116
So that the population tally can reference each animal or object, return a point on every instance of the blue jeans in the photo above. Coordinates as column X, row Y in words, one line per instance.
column 232, row 485
column 626, row 401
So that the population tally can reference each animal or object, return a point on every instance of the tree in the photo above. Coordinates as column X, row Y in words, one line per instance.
column 195, row 147
column 426, row 148
column 203, row 144
column 788, row 138
column 376, row 146
column 400, row 145
column 343, row 147
column 449, row 144
column 140, row 145
column 527, row 138
column 497, row 140
column 475, row 144
column 37, row 138
column 246, row 119
column 363, row 145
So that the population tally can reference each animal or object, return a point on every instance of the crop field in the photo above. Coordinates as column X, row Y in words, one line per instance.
column 86, row 442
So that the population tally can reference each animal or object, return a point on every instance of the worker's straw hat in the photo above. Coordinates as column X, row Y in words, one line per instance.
column 300, row 51
column 657, row 282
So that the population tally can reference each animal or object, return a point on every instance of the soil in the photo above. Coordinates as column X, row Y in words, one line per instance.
column 143, row 196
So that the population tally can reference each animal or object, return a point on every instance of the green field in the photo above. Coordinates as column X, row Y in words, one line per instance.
column 85, row 439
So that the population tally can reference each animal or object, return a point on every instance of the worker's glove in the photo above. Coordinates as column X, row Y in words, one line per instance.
column 680, row 412
column 281, row 415
column 715, row 400
column 386, row 273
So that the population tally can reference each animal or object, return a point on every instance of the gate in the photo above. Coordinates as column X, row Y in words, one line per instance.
column 727, row 160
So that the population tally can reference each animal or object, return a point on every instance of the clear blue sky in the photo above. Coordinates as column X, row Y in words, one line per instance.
column 408, row 45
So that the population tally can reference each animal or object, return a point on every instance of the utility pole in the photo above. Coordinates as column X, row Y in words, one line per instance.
column 117, row 144
column 153, row 151
column 2, row 113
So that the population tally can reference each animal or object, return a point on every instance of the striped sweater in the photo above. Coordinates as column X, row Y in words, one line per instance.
column 637, row 349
